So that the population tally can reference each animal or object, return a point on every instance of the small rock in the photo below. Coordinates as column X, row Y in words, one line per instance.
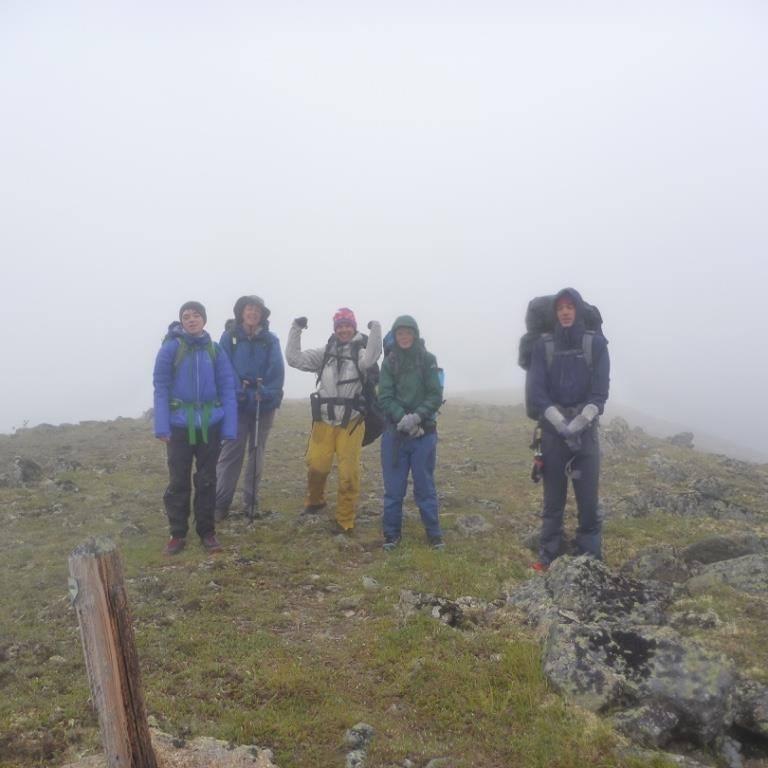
column 746, row 574
column 27, row 470
column 351, row 603
column 359, row 736
column 714, row 549
column 370, row 583
column 682, row 439
column 58, row 660
column 471, row 525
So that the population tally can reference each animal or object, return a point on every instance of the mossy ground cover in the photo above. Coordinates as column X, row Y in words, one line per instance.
column 277, row 640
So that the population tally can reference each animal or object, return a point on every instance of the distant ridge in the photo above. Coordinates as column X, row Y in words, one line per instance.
column 653, row 426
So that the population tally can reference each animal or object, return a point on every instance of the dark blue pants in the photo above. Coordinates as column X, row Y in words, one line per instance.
column 178, row 494
column 399, row 456
column 585, row 475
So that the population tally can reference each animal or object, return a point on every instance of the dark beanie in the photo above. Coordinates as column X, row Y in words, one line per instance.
column 195, row 306
column 244, row 301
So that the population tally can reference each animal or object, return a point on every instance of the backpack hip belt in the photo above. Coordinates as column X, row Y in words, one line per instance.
column 347, row 403
column 191, row 409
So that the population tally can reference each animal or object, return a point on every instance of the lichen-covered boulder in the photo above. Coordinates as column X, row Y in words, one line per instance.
column 658, row 564
column 746, row 574
column 751, row 707
column 714, row 549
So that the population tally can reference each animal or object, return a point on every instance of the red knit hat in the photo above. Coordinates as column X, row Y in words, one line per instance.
column 344, row 315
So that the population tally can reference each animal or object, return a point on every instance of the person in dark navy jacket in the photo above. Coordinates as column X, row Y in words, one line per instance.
column 568, row 384
column 257, row 359
column 195, row 409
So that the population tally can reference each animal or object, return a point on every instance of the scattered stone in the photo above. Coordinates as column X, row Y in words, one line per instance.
column 667, row 470
column 471, row 525
column 27, row 470
column 746, row 574
column 462, row 613
column 58, row 660
column 751, row 707
column 691, row 620
column 66, row 485
column 351, row 603
column 358, row 739
column 67, row 465
column 204, row 752
column 370, row 584
column 713, row 549
column 658, row 564
column 650, row 726
column 682, row 439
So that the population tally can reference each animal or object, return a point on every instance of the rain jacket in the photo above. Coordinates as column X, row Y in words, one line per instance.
column 569, row 382
column 255, row 357
column 197, row 380
column 410, row 380
column 338, row 377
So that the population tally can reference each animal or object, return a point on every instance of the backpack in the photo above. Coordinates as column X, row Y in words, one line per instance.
column 184, row 349
column 368, row 404
column 539, row 324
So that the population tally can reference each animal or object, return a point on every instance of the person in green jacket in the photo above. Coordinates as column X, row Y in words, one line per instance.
column 410, row 394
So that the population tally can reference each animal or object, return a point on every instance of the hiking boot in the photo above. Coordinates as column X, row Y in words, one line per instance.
column 174, row 545
column 313, row 509
column 391, row 543
column 436, row 542
column 338, row 528
column 540, row 567
column 211, row 543
column 220, row 514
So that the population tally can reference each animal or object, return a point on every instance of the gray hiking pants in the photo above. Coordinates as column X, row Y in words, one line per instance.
column 585, row 468
column 231, row 460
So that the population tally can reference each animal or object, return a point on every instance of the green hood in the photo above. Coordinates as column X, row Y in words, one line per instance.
column 406, row 321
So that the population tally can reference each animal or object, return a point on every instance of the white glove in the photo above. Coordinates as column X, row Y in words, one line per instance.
column 557, row 420
column 409, row 422
column 582, row 420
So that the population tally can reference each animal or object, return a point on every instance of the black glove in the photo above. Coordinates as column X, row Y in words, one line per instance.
column 301, row 322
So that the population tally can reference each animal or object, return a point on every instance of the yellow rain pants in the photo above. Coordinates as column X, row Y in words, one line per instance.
column 345, row 443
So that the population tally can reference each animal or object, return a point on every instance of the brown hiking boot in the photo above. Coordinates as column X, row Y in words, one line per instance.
column 313, row 509
column 211, row 543
column 174, row 545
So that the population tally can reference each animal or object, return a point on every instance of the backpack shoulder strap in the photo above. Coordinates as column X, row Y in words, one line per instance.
column 549, row 348
column 587, row 341
column 181, row 352
column 326, row 357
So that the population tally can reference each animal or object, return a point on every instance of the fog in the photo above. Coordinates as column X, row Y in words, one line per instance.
column 444, row 159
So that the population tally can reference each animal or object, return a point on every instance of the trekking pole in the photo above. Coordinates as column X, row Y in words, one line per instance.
column 254, row 448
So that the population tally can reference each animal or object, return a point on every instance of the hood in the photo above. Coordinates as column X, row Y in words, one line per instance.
column 406, row 321
column 569, row 337
column 241, row 304
column 232, row 326
column 176, row 331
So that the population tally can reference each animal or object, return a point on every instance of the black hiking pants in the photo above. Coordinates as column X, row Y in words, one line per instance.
column 584, row 470
column 177, row 497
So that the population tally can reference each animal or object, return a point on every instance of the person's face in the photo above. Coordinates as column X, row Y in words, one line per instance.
column 252, row 315
column 192, row 322
column 345, row 332
column 566, row 312
column 404, row 337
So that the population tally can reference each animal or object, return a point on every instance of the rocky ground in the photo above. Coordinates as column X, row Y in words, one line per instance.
column 326, row 651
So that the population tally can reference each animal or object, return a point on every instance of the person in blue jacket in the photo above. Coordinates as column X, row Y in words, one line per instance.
column 568, row 385
column 257, row 359
column 195, row 409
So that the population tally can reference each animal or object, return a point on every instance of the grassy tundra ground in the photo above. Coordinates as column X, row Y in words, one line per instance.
column 278, row 642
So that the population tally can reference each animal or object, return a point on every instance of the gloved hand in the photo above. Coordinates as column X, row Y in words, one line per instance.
column 416, row 432
column 557, row 420
column 409, row 423
column 300, row 322
column 371, row 323
column 582, row 420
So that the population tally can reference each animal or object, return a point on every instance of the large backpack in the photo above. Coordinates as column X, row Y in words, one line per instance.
column 539, row 324
column 368, row 404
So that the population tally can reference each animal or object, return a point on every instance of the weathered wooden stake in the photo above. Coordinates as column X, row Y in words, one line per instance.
column 98, row 594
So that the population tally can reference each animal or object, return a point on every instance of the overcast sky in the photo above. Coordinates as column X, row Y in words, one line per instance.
column 446, row 159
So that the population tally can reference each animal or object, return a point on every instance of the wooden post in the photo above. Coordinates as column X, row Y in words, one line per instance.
column 98, row 594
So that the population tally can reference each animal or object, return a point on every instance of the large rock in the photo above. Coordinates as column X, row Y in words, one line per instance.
column 751, row 707
column 657, row 564
column 606, row 648
column 682, row 439
column 27, row 470
column 746, row 574
column 713, row 549
column 471, row 525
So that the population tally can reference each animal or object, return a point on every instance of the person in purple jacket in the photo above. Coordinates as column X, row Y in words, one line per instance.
column 195, row 409
column 568, row 385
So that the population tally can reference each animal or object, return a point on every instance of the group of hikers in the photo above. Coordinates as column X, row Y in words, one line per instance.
column 215, row 404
